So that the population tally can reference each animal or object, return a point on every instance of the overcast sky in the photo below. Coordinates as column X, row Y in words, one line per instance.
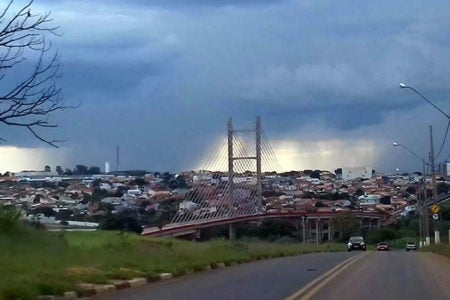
column 160, row 78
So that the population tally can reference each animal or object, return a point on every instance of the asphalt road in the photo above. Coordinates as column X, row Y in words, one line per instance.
column 391, row 275
column 377, row 275
column 270, row 279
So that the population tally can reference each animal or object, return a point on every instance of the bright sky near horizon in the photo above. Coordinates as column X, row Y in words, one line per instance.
column 161, row 78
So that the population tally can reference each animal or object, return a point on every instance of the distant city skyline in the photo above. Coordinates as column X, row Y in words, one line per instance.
column 161, row 79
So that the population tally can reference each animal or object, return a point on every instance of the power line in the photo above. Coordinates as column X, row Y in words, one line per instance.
column 445, row 138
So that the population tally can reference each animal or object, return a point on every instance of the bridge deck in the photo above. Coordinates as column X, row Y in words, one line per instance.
column 176, row 228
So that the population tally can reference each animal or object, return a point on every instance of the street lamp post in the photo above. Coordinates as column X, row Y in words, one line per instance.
column 424, row 231
column 407, row 149
column 404, row 86
column 433, row 173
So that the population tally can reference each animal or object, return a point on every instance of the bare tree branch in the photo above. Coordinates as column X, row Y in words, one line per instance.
column 28, row 91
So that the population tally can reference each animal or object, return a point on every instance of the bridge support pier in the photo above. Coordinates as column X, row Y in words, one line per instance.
column 317, row 231
column 304, row 230
column 330, row 229
column 232, row 232
column 309, row 230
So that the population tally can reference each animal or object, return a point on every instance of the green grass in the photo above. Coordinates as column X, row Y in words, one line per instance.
column 442, row 249
column 401, row 243
column 39, row 262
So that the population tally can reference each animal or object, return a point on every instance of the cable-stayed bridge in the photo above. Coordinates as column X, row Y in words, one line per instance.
column 218, row 197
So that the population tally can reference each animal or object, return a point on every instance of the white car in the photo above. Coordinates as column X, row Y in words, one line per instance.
column 411, row 246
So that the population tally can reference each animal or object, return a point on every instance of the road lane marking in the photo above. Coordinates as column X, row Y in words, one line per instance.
column 314, row 286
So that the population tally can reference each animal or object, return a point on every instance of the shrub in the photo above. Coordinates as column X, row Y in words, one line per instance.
column 9, row 217
column 384, row 234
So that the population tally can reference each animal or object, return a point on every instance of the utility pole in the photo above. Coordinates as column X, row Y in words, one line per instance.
column 424, row 220
column 433, row 181
column 421, row 227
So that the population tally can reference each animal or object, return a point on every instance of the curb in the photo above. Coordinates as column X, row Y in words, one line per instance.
column 87, row 290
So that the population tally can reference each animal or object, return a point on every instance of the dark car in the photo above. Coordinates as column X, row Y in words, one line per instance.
column 356, row 243
column 411, row 246
column 382, row 246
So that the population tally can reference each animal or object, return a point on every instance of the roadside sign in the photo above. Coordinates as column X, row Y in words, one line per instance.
column 435, row 216
column 435, row 209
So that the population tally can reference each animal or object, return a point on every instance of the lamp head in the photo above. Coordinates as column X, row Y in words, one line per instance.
column 395, row 144
column 403, row 86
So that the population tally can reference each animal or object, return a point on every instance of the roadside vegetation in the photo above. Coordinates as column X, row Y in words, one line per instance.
column 38, row 262
column 442, row 249
column 35, row 262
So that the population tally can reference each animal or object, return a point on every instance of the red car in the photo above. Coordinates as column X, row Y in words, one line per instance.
column 383, row 246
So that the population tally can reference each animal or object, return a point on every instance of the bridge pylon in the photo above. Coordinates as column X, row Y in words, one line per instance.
column 232, row 159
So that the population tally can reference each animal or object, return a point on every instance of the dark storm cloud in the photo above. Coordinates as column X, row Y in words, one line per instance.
column 203, row 3
column 109, row 79
column 182, row 3
column 161, row 78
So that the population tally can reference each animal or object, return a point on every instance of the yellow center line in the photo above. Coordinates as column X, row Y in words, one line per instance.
column 314, row 286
